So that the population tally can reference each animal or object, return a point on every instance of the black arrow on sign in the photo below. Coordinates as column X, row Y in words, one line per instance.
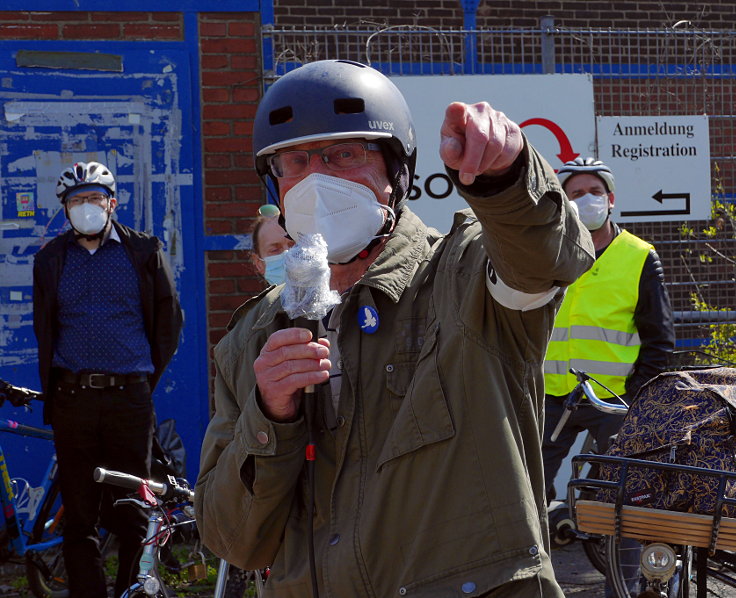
column 660, row 197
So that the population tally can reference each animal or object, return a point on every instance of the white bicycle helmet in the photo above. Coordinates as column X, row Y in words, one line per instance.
column 83, row 174
column 587, row 166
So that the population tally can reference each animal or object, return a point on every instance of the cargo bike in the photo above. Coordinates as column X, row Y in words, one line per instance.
column 664, row 498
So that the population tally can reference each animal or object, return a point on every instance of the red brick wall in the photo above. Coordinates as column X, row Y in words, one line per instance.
column 353, row 12
column 128, row 26
column 230, row 58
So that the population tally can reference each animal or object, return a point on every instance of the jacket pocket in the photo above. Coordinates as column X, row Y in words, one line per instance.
column 423, row 417
column 477, row 577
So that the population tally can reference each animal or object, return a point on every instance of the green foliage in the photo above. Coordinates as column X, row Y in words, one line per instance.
column 686, row 232
column 721, row 338
column 178, row 582
column 111, row 566
column 20, row 584
column 710, row 232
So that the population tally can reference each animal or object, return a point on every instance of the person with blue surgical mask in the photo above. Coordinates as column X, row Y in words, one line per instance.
column 270, row 244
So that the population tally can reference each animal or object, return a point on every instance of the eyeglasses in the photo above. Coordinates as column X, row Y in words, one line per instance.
column 341, row 156
column 94, row 198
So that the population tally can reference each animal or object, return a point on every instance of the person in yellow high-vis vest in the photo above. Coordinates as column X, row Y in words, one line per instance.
column 615, row 322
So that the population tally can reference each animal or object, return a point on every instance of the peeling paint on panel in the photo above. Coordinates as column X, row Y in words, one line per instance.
column 132, row 123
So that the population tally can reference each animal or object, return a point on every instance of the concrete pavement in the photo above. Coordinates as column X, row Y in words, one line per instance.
column 575, row 574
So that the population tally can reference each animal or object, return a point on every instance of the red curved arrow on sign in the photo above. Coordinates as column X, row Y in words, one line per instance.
column 566, row 154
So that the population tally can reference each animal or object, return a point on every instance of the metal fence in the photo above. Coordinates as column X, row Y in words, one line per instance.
column 635, row 73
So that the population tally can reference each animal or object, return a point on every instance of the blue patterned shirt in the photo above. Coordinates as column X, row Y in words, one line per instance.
column 100, row 317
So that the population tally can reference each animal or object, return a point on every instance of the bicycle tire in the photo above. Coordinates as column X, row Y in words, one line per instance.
column 622, row 571
column 595, row 549
column 45, row 569
column 683, row 579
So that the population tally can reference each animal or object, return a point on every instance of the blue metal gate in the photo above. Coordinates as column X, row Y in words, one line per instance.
column 133, row 112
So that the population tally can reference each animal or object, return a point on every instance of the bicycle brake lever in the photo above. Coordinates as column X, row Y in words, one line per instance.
column 134, row 501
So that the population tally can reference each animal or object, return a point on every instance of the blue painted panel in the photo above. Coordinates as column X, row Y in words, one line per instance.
column 139, row 123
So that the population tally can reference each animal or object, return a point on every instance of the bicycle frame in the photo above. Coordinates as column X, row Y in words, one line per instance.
column 159, row 523
column 20, row 528
column 148, row 559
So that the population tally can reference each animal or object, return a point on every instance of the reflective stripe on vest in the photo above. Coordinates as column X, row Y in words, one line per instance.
column 594, row 329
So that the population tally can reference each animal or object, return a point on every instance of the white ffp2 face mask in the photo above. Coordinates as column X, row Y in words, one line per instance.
column 88, row 218
column 593, row 210
column 345, row 213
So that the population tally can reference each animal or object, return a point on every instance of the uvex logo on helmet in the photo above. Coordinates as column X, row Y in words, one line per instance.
column 385, row 125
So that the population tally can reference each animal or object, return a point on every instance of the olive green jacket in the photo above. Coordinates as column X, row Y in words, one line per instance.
column 429, row 481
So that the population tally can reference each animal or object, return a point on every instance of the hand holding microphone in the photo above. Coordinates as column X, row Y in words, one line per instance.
column 295, row 358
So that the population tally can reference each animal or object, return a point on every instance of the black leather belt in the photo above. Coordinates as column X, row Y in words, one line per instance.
column 94, row 380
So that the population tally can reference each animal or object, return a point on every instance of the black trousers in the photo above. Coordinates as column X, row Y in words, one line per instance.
column 111, row 428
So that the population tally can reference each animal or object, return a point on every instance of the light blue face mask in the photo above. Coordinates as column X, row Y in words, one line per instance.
column 275, row 271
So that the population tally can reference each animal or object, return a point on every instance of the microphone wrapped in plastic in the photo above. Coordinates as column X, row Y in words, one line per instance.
column 307, row 298
column 307, row 292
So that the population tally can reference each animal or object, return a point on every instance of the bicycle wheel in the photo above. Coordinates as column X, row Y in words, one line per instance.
column 45, row 569
column 595, row 550
column 623, row 570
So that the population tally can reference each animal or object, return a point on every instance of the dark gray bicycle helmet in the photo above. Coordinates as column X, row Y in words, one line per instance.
column 84, row 174
column 587, row 166
column 337, row 99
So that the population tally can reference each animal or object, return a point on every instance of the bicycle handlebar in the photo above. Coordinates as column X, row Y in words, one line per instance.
column 126, row 480
column 583, row 388
column 17, row 395
column 602, row 405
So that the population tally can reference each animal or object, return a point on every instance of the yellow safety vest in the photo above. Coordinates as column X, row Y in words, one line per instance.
column 594, row 330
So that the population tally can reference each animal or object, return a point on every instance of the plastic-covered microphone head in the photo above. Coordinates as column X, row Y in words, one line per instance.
column 307, row 292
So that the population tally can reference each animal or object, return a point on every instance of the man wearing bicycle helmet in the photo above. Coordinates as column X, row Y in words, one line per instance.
column 615, row 322
column 107, row 319
column 428, row 476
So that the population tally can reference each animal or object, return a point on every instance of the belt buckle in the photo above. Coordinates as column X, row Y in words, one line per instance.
column 91, row 382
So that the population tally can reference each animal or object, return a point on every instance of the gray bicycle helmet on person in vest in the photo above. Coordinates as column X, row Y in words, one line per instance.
column 337, row 99
column 84, row 174
column 587, row 166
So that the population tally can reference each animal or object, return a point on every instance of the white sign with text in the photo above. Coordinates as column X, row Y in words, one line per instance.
column 661, row 165
column 556, row 113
